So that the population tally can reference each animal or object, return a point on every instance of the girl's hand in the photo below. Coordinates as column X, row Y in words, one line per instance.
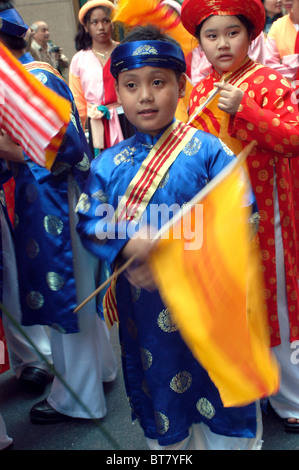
column 230, row 98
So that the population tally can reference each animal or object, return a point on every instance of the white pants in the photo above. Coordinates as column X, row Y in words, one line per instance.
column 86, row 359
column 5, row 441
column 202, row 438
column 21, row 353
column 286, row 401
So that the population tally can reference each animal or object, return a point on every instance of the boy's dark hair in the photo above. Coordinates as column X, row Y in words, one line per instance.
column 245, row 21
column 11, row 42
column 83, row 40
column 150, row 33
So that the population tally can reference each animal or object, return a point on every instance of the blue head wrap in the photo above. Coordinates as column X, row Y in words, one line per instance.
column 12, row 23
column 136, row 54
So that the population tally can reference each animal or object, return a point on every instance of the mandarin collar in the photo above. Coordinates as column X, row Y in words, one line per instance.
column 146, row 139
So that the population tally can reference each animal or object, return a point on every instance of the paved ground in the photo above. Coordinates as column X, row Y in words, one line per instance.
column 115, row 431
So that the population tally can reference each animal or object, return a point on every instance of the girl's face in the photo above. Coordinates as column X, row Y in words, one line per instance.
column 149, row 97
column 273, row 7
column 99, row 26
column 225, row 42
column 287, row 4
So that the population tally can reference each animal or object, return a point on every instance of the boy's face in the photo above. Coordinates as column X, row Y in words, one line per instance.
column 225, row 42
column 149, row 97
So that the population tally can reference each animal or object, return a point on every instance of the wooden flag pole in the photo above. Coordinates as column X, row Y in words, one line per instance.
column 107, row 282
column 214, row 92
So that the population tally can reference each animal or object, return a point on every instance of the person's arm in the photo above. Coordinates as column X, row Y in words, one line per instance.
column 78, row 94
column 270, row 118
column 9, row 150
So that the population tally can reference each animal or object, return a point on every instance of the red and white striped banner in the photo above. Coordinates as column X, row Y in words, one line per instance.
column 33, row 115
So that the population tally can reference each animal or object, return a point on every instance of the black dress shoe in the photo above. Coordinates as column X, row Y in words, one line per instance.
column 290, row 427
column 34, row 378
column 43, row 413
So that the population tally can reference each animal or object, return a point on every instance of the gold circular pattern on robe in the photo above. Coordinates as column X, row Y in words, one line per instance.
column 162, row 422
column 55, row 281
column 205, row 408
column 124, row 156
column 146, row 358
column 165, row 322
column 263, row 175
column 265, row 102
column 84, row 165
column 83, row 204
column 192, row 147
column 264, row 255
column 32, row 248
column 53, row 225
column 244, row 86
column 100, row 196
column 181, row 382
column 258, row 80
column 263, row 126
column 34, row 300
column 242, row 134
column 31, row 193
column 279, row 103
column 284, row 82
column 294, row 140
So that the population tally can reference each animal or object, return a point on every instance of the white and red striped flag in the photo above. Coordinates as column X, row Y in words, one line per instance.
column 33, row 115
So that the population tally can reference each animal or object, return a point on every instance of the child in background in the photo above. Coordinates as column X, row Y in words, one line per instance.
column 176, row 403
column 256, row 103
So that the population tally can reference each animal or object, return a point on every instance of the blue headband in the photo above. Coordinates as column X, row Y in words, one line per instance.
column 136, row 54
column 12, row 23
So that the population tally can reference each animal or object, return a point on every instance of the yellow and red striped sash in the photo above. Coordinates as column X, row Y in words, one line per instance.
column 152, row 170
column 142, row 188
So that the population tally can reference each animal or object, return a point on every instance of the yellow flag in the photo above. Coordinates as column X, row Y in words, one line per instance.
column 207, row 270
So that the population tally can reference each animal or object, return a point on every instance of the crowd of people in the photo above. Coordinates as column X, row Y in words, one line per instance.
column 124, row 101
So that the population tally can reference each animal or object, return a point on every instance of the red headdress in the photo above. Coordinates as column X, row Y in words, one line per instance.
column 195, row 12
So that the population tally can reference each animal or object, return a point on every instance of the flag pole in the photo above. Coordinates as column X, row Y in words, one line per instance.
column 202, row 193
column 214, row 92
column 116, row 273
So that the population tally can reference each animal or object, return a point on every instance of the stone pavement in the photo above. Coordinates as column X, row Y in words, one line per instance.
column 115, row 431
